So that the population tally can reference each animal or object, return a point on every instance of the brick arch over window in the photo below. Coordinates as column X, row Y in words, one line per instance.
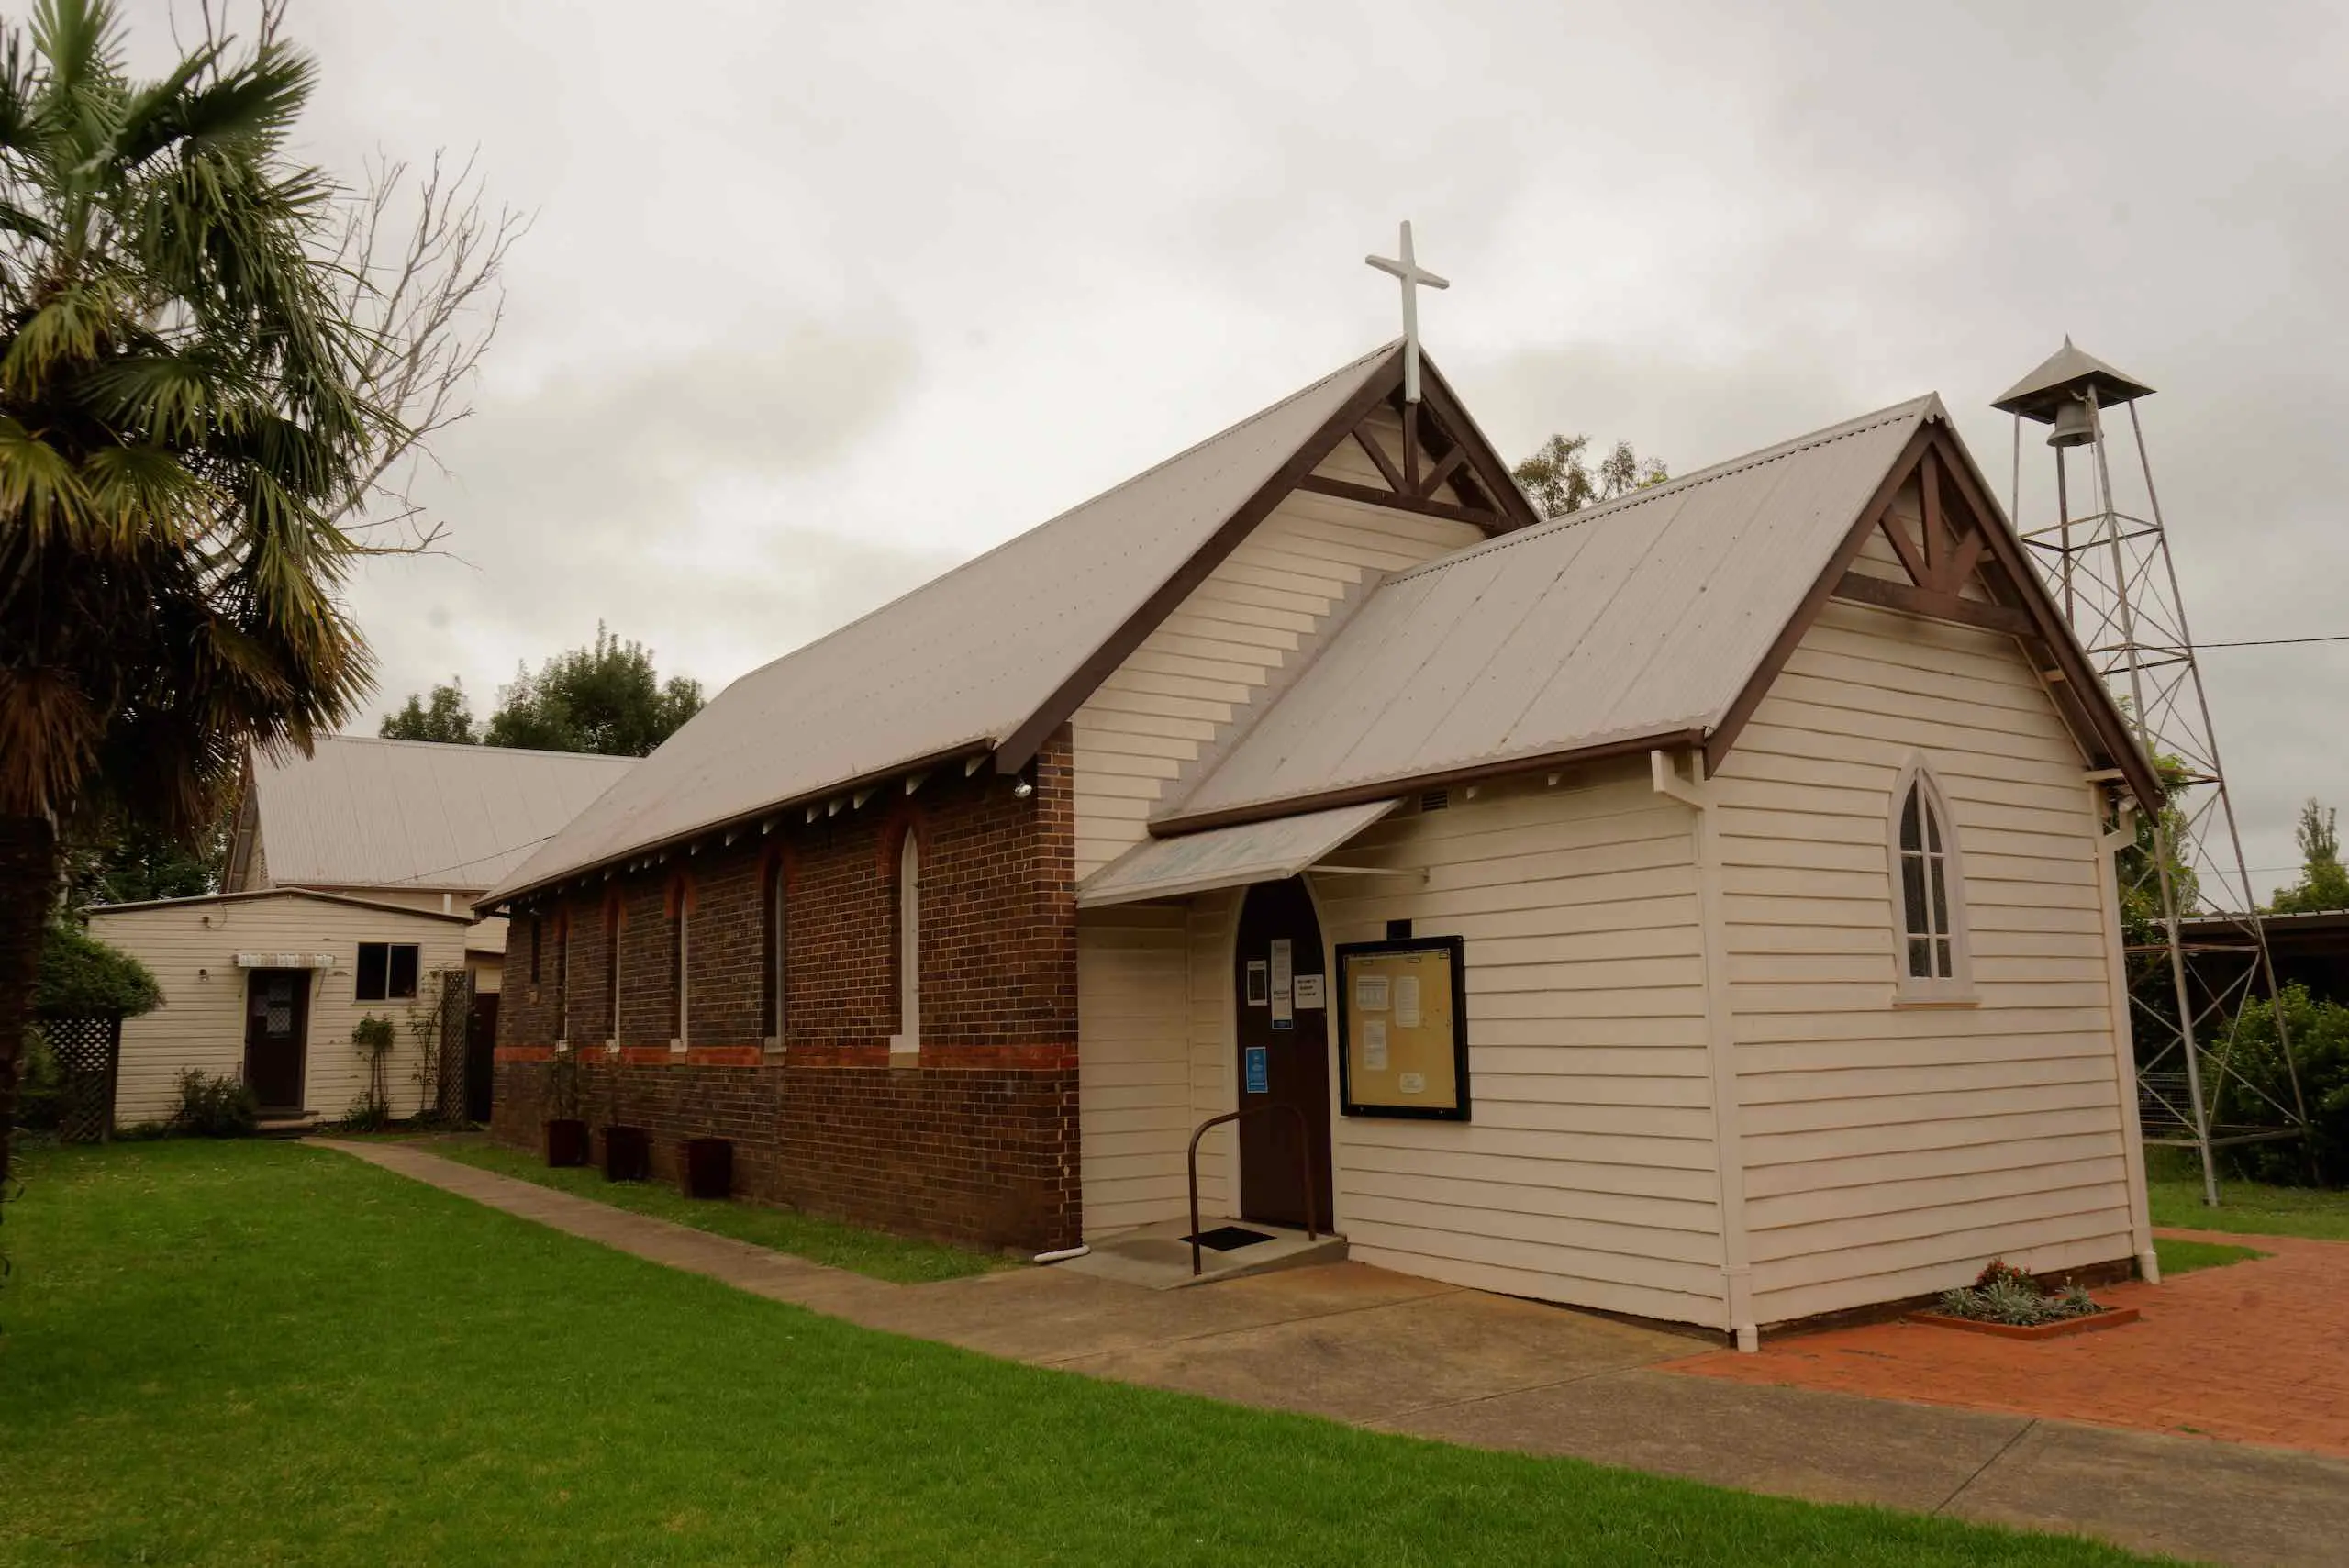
column 1932, row 959
column 679, row 904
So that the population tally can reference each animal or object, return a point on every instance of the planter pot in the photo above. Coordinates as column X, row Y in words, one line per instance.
column 708, row 1169
column 2111, row 1318
column 627, row 1154
column 566, row 1141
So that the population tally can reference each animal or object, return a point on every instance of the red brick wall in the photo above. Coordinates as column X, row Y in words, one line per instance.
column 978, row 1143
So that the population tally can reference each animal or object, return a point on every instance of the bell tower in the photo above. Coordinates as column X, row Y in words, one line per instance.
column 2196, row 948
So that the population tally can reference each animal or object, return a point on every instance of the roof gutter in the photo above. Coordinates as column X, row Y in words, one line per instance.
column 765, row 817
column 1384, row 789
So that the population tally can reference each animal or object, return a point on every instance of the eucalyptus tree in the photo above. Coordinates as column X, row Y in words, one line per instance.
column 189, row 409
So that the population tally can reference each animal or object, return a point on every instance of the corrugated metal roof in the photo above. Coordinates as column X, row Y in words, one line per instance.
column 310, row 893
column 1226, row 857
column 1642, row 618
column 360, row 812
column 957, row 664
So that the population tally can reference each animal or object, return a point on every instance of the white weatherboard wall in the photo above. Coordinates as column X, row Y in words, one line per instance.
column 1890, row 1151
column 1212, row 657
column 1586, row 1171
column 1134, row 1069
column 202, row 1021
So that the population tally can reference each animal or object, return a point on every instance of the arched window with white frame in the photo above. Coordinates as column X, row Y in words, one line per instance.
column 1928, row 892
column 908, row 1036
column 775, row 946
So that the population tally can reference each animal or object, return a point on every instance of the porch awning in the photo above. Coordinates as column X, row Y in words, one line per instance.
column 1226, row 857
column 285, row 961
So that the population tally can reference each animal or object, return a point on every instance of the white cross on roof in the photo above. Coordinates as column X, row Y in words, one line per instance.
column 1408, row 270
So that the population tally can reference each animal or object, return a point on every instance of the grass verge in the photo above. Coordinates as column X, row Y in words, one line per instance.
column 2248, row 1208
column 905, row 1259
column 262, row 1353
column 2182, row 1257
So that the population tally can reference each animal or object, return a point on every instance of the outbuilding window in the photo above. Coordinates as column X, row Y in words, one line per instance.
column 1929, row 892
column 387, row 971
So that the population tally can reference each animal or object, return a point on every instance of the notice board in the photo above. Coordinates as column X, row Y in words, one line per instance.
column 1403, row 1028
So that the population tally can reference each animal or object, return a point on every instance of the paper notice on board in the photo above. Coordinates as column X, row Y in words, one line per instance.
column 1370, row 993
column 1374, row 1045
column 1412, row 1083
column 1308, row 993
column 1283, row 997
column 1260, row 989
column 1407, row 1001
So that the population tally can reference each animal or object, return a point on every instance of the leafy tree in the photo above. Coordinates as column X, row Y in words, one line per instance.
column 115, row 861
column 2258, row 1082
column 2324, row 882
column 445, row 717
column 606, row 697
column 1561, row 479
column 79, row 973
column 199, row 383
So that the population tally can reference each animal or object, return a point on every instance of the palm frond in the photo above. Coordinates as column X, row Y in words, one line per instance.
column 40, row 489
column 48, row 733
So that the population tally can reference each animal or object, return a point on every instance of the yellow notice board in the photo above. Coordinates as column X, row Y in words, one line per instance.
column 1403, row 1019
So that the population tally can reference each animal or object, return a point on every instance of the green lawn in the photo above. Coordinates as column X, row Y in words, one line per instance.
column 874, row 1253
column 2179, row 1257
column 265, row 1353
column 2247, row 1208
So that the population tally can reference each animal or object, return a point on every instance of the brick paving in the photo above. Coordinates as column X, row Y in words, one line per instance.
column 2256, row 1351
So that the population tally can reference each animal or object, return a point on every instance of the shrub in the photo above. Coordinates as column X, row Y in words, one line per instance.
column 2002, row 1293
column 81, row 976
column 2320, row 1034
column 215, row 1108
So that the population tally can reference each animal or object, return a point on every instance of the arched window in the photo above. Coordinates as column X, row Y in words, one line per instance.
column 1929, row 890
column 534, row 949
column 909, row 1037
column 563, row 976
column 612, row 968
column 681, row 911
column 775, row 948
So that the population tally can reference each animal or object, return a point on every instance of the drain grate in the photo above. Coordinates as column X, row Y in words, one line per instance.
column 1229, row 1238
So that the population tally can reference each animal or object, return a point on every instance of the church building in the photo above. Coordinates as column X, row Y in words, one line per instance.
column 1699, row 906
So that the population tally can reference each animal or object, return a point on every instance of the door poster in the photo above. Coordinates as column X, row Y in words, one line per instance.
column 1403, row 1028
column 1259, row 988
column 1258, row 1071
column 1284, row 997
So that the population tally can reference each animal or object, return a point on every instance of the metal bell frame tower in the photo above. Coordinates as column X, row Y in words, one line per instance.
column 2111, row 572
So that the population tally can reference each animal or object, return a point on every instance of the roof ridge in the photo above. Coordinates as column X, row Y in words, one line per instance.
column 1860, row 425
column 1316, row 384
column 470, row 747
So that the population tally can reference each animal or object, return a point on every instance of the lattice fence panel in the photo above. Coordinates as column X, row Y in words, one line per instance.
column 89, row 1056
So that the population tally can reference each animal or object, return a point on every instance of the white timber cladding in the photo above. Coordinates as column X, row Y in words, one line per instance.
column 1891, row 1151
column 192, row 947
column 1587, row 1173
column 1133, row 1062
column 1203, row 666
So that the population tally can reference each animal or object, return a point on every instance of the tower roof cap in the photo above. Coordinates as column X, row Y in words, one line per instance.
column 2064, row 376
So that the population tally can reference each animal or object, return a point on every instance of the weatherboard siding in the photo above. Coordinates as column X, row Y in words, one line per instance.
column 1891, row 1151
column 1586, row 1173
column 1203, row 666
column 1133, row 1062
column 192, row 947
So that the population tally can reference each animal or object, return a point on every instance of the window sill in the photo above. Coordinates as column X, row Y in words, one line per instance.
column 676, row 1048
column 611, row 1048
column 771, row 1045
column 904, row 1052
column 1928, row 1000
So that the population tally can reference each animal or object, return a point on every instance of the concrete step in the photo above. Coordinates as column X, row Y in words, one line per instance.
column 1155, row 1257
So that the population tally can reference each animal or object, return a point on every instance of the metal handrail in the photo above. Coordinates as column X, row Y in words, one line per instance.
column 1304, row 1169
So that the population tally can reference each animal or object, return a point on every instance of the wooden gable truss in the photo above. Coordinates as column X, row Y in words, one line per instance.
column 1961, row 563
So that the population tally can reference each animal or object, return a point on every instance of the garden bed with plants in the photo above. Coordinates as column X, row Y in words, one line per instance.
column 2010, row 1303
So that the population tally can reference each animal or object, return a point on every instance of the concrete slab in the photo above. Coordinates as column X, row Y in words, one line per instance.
column 2215, row 1502
column 1828, row 1448
column 1379, row 1361
column 1157, row 1257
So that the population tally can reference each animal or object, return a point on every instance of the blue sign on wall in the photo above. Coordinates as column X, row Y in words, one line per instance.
column 1259, row 1072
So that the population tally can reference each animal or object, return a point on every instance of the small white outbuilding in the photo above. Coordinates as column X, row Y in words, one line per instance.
column 268, row 987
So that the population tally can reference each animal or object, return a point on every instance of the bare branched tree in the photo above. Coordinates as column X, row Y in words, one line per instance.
column 419, row 264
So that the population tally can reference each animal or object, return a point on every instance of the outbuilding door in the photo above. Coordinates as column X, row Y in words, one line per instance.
column 277, row 1035
column 1284, row 1054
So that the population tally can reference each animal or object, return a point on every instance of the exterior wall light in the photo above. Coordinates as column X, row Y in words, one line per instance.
column 1022, row 790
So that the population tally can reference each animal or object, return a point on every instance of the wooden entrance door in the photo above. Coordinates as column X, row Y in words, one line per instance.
column 1294, row 1066
column 481, row 1055
column 277, row 1035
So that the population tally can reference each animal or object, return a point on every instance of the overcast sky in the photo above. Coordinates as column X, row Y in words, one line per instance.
column 822, row 299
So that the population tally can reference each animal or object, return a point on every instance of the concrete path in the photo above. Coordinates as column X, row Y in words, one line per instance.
column 1360, row 1345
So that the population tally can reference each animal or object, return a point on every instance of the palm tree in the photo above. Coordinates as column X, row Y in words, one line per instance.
column 182, row 417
